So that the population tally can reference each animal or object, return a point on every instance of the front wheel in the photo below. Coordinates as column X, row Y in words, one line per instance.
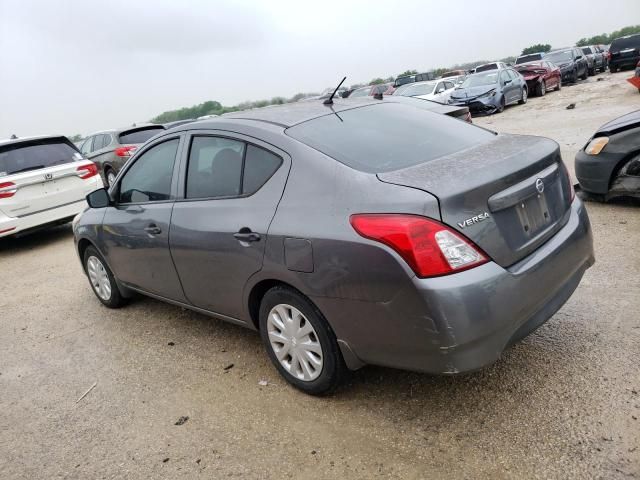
column 585, row 74
column 500, row 108
column 559, row 86
column 300, row 342
column 523, row 98
column 101, row 279
column 541, row 88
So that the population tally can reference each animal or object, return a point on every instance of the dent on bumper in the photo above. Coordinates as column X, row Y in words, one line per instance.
column 464, row 321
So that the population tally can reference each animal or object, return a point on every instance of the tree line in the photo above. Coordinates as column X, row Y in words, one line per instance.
column 212, row 107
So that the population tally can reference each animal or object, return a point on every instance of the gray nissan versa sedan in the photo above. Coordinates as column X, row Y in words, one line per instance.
column 364, row 232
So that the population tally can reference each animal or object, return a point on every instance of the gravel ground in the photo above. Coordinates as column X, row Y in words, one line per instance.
column 565, row 403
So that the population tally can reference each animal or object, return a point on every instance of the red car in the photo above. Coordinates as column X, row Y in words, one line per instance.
column 540, row 76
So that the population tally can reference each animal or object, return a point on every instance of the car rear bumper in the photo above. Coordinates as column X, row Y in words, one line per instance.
column 464, row 321
column 13, row 225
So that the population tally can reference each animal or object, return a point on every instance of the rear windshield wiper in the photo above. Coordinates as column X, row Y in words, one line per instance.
column 26, row 169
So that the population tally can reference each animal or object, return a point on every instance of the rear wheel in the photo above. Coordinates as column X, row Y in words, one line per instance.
column 613, row 69
column 299, row 341
column 111, row 177
column 525, row 95
column 101, row 279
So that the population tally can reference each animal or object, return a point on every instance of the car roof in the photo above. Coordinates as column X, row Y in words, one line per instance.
column 10, row 141
column 116, row 131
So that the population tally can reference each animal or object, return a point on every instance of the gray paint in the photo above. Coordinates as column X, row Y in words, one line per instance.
column 379, row 310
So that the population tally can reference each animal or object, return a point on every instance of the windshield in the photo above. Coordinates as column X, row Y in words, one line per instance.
column 528, row 58
column 402, row 80
column 415, row 89
column 387, row 136
column 480, row 79
column 36, row 154
column 559, row 57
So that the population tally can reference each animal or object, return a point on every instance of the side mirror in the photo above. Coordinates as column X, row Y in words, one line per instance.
column 98, row 198
column 506, row 82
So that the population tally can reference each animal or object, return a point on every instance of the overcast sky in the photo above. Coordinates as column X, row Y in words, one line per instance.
column 82, row 65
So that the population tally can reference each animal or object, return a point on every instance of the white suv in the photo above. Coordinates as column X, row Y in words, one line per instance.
column 43, row 180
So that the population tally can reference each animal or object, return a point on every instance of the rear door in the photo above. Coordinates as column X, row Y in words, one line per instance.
column 38, row 175
column 231, row 187
column 135, row 229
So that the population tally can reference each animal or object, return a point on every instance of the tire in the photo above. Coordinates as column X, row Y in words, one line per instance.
column 110, row 176
column 287, row 315
column 559, row 86
column 586, row 74
column 592, row 72
column 500, row 109
column 524, row 97
column 541, row 89
column 613, row 69
column 94, row 264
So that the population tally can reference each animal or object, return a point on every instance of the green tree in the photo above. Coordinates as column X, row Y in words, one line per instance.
column 408, row 72
column 539, row 47
column 605, row 38
column 76, row 138
column 376, row 81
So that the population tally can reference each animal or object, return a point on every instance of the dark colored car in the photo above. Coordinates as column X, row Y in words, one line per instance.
column 110, row 149
column 571, row 62
column 540, row 76
column 624, row 52
column 373, row 90
column 609, row 164
column 595, row 59
column 177, row 123
column 491, row 91
column 365, row 232
column 418, row 77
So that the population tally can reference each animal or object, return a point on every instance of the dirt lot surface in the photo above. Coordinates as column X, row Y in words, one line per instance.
column 565, row 403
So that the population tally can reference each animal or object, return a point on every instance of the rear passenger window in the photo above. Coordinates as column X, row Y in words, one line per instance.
column 98, row 142
column 86, row 146
column 215, row 167
column 258, row 168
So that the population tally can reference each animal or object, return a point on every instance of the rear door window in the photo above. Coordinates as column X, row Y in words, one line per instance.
column 36, row 154
column 98, row 142
column 87, row 145
column 140, row 135
column 259, row 166
column 149, row 178
column 387, row 136
column 215, row 167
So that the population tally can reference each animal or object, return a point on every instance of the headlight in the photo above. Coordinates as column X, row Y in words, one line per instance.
column 596, row 145
column 490, row 93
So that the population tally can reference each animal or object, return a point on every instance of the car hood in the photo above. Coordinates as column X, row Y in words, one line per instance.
column 564, row 65
column 471, row 92
column 630, row 120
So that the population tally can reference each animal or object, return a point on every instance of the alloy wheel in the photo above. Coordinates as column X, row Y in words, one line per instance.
column 294, row 342
column 99, row 278
column 111, row 178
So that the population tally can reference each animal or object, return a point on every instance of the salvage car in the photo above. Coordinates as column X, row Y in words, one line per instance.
column 529, row 57
column 624, row 52
column 571, row 62
column 43, row 181
column 540, row 76
column 362, row 232
column 491, row 91
column 110, row 149
column 608, row 166
column 436, row 90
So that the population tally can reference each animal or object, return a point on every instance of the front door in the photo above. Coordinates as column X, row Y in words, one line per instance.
column 219, row 229
column 136, row 228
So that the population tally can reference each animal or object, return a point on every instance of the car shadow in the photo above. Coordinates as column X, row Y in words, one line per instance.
column 35, row 239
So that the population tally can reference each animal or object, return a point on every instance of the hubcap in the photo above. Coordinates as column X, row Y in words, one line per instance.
column 524, row 95
column 99, row 278
column 111, row 178
column 543, row 88
column 295, row 342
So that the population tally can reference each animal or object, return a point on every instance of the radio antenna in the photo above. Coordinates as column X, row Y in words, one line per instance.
column 329, row 101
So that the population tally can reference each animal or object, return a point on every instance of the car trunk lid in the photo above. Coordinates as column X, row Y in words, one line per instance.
column 42, row 174
column 508, row 196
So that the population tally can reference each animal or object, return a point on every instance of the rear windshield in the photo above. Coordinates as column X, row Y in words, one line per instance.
column 624, row 43
column 484, row 68
column 139, row 135
column 36, row 154
column 528, row 58
column 387, row 136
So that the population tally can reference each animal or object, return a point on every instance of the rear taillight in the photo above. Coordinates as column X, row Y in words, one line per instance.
column 608, row 55
column 430, row 248
column 125, row 151
column 87, row 171
column 7, row 189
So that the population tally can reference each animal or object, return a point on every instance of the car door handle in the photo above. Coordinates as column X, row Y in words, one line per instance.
column 246, row 236
column 153, row 229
